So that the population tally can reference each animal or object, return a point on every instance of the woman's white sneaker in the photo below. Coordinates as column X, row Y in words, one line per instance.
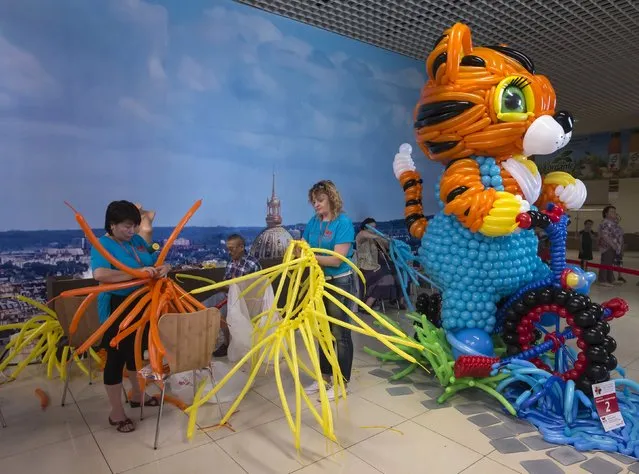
column 330, row 393
column 314, row 388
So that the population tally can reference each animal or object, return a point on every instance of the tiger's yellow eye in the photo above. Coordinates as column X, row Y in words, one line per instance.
column 514, row 100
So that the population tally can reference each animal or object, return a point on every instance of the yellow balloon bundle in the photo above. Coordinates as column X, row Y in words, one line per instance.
column 42, row 333
column 275, row 330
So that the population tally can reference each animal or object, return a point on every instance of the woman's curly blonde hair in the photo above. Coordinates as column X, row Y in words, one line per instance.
column 327, row 187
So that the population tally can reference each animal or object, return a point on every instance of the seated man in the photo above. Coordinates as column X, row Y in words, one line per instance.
column 241, row 264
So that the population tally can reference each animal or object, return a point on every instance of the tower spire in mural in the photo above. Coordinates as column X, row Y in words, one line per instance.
column 273, row 208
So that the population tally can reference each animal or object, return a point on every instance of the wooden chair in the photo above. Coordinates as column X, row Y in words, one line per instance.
column 65, row 308
column 189, row 340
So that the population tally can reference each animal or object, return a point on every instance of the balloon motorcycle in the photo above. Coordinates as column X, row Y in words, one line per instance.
column 482, row 112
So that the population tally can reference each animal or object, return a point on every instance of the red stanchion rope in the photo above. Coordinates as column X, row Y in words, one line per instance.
column 629, row 271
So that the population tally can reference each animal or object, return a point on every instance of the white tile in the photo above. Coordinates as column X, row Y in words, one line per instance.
column 253, row 410
column 31, row 429
column 407, row 406
column 410, row 445
column 343, row 462
column 206, row 458
column 124, row 451
column 79, row 455
column 453, row 424
column 269, row 448
column 356, row 419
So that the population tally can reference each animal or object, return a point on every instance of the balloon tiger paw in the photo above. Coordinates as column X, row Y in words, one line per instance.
column 501, row 219
column 563, row 189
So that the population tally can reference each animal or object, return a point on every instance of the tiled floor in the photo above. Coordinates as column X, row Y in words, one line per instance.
column 382, row 427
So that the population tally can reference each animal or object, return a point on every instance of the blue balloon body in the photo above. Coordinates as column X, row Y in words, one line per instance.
column 475, row 271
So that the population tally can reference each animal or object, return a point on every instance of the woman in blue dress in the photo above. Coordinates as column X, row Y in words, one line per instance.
column 124, row 242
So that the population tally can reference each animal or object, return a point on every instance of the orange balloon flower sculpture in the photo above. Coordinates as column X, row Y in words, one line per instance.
column 156, row 297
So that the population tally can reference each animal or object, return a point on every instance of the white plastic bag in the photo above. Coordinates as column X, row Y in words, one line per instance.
column 240, row 313
column 240, row 327
column 181, row 385
column 268, row 300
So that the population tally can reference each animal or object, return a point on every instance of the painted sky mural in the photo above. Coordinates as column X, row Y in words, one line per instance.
column 166, row 102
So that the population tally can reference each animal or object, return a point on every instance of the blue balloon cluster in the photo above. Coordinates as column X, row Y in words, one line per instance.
column 490, row 173
column 566, row 415
column 473, row 271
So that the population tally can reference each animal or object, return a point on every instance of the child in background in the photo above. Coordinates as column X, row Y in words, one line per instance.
column 585, row 243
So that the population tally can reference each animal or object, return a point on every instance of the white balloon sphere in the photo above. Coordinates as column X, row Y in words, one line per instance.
column 405, row 148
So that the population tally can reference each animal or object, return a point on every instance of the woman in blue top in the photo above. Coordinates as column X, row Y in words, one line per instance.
column 122, row 224
column 331, row 229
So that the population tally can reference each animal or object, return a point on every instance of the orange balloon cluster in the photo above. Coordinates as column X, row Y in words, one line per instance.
column 156, row 297
column 473, row 204
column 456, row 117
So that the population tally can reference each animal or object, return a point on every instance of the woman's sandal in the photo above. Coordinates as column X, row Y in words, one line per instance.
column 124, row 426
column 152, row 402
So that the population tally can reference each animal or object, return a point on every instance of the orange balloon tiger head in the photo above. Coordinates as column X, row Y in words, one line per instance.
column 486, row 101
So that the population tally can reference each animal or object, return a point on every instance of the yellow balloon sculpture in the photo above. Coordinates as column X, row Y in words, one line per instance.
column 303, row 313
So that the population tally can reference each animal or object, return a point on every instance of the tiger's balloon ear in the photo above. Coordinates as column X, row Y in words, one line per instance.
column 450, row 49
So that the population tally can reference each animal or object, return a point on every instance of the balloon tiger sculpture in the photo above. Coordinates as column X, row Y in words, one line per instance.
column 482, row 112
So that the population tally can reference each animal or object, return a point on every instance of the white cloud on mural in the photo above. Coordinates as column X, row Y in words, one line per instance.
column 22, row 74
column 139, row 111
column 195, row 76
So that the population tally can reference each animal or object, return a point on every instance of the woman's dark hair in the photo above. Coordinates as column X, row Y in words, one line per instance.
column 365, row 222
column 121, row 211
column 587, row 221
column 606, row 210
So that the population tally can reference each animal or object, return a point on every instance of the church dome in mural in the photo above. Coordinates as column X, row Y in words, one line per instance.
column 272, row 241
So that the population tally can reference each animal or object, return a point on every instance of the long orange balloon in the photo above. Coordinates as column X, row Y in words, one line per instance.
column 73, row 327
column 123, row 334
column 175, row 301
column 135, row 311
column 98, row 334
column 188, row 297
column 169, row 243
column 102, row 288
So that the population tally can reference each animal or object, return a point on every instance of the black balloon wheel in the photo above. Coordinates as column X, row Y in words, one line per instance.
column 523, row 332
column 431, row 307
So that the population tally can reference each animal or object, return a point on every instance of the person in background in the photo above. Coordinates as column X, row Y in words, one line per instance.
column 376, row 265
column 145, row 229
column 543, row 245
column 331, row 229
column 123, row 243
column 619, row 257
column 585, row 243
column 610, row 244
column 241, row 264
